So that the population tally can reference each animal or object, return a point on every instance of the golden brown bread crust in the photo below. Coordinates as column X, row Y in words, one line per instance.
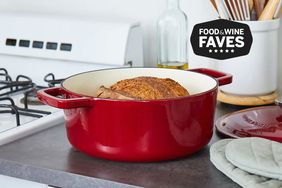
column 145, row 88
column 107, row 93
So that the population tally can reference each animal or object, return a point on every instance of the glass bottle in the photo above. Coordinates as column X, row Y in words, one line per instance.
column 172, row 37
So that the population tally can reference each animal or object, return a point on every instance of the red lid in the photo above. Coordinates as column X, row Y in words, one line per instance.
column 265, row 122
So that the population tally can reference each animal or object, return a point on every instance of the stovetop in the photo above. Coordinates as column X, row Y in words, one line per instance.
column 21, row 112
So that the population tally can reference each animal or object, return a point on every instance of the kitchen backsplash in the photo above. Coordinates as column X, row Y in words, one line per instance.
column 146, row 11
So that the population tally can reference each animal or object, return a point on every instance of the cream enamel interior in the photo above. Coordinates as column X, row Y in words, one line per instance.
column 89, row 82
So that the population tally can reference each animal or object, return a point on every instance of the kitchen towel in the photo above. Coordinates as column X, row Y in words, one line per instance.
column 256, row 155
column 241, row 177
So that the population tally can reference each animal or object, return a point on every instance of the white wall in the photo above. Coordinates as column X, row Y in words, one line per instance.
column 146, row 11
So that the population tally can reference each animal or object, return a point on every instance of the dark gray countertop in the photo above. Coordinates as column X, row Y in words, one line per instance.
column 47, row 157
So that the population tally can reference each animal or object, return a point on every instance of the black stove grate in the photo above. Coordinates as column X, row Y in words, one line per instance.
column 22, row 84
column 30, row 96
column 8, row 86
column 50, row 79
column 14, row 109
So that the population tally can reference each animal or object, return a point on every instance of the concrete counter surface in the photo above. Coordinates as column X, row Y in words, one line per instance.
column 47, row 157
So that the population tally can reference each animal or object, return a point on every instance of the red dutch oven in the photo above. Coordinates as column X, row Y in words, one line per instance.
column 138, row 130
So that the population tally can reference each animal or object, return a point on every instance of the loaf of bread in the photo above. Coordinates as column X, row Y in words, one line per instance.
column 143, row 88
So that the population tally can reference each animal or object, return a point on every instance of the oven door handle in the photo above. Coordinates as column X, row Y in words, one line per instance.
column 59, row 98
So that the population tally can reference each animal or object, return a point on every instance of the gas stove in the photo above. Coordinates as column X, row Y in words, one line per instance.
column 35, row 50
column 21, row 113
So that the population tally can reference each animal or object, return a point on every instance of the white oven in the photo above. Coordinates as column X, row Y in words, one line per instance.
column 40, row 51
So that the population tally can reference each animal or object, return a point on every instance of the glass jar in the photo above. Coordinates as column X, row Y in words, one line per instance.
column 172, row 37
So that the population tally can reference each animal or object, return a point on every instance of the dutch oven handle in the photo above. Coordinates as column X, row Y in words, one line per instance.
column 50, row 96
column 221, row 77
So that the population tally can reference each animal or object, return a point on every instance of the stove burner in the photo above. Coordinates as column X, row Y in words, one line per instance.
column 13, row 109
column 50, row 79
column 30, row 97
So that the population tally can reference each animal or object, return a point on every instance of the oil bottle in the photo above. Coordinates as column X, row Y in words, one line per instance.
column 172, row 37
